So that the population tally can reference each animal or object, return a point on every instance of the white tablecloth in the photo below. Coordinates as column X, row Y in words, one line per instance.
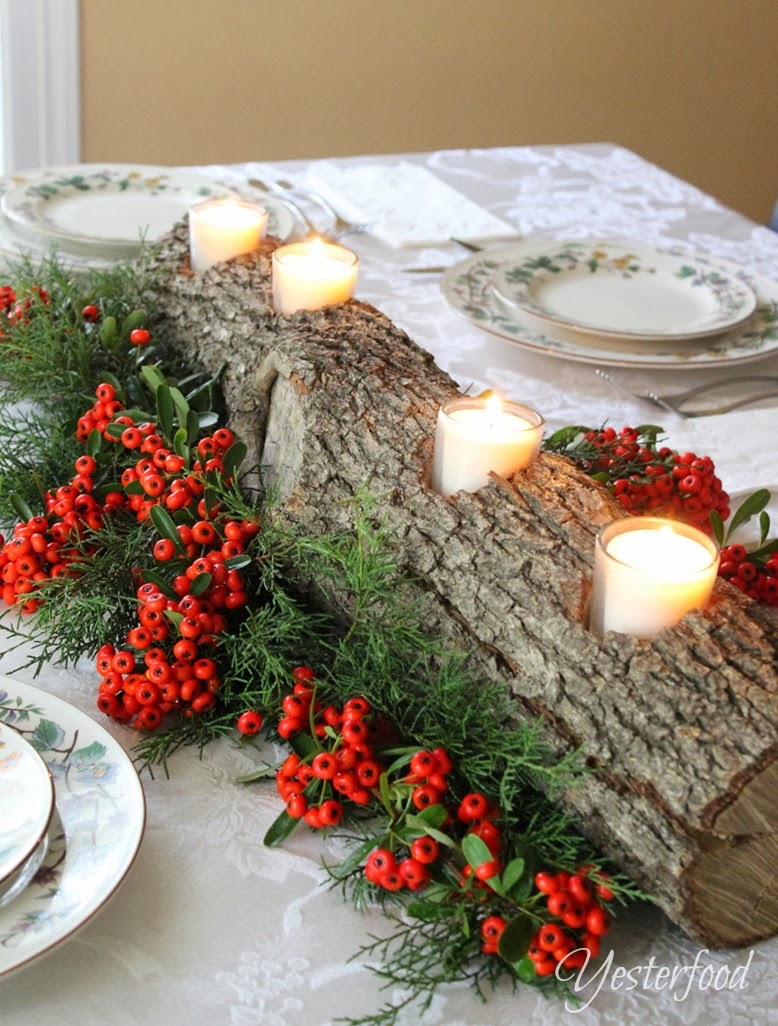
column 210, row 927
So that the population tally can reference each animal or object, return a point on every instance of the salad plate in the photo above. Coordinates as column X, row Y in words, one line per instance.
column 625, row 289
column 94, row 215
column 468, row 286
column 26, row 808
column 96, row 830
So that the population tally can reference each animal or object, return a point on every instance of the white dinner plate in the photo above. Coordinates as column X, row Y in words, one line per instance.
column 468, row 287
column 119, row 237
column 618, row 289
column 97, row 828
column 26, row 803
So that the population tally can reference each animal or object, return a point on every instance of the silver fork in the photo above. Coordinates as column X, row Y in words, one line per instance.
column 340, row 226
column 673, row 402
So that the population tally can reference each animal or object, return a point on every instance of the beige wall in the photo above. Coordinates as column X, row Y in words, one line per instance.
column 689, row 84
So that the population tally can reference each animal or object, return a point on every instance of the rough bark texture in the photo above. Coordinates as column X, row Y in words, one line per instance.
column 681, row 728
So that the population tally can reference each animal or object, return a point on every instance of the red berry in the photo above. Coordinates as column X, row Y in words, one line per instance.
column 250, row 722
column 140, row 337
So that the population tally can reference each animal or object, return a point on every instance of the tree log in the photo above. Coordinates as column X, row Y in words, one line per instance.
column 681, row 728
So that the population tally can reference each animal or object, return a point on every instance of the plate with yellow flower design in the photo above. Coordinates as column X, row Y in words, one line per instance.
column 625, row 290
column 96, row 829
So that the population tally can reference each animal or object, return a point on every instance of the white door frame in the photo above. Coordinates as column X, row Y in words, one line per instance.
column 41, row 83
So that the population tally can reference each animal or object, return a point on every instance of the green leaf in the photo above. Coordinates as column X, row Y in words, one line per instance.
column 192, row 426
column 47, row 735
column 304, row 746
column 525, row 970
column 108, row 330
column 754, row 504
column 207, row 419
column 279, row 830
column 475, row 850
column 135, row 394
column 153, row 376
column 200, row 584
column 180, row 444
column 433, row 815
column 233, row 458
column 719, row 531
column 764, row 526
column 417, row 828
column 132, row 321
column 512, row 873
column 182, row 406
column 20, row 506
column 165, row 410
column 386, row 797
column 133, row 488
column 114, row 430
column 92, row 753
column 515, row 938
column 94, row 442
column 238, row 562
column 161, row 519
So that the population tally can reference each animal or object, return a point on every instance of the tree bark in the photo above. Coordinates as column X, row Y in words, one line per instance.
column 681, row 729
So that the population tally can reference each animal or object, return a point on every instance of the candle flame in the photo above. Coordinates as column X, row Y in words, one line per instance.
column 493, row 406
column 317, row 248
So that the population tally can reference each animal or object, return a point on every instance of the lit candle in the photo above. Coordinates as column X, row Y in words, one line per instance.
column 220, row 229
column 648, row 573
column 476, row 436
column 309, row 275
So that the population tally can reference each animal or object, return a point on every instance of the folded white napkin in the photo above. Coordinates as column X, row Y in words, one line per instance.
column 407, row 204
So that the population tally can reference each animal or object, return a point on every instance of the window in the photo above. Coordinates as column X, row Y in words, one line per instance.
column 39, row 83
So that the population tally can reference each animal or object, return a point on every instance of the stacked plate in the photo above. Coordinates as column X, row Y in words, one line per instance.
column 94, row 215
column 72, row 811
column 26, row 808
column 619, row 303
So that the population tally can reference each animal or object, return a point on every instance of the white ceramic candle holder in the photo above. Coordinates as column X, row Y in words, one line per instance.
column 310, row 275
column 220, row 229
column 648, row 573
column 477, row 436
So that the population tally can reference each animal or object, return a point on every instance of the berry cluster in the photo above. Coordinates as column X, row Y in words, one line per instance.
column 166, row 665
column 17, row 312
column 576, row 901
column 166, row 662
column 661, row 482
column 314, row 788
column 44, row 546
column 758, row 580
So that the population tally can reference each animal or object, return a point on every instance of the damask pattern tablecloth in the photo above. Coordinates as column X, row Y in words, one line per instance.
column 210, row 927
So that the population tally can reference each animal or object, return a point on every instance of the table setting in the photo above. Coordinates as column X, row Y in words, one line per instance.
column 450, row 370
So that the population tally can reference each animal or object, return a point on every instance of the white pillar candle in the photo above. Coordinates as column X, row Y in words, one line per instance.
column 648, row 573
column 220, row 229
column 309, row 275
column 476, row 436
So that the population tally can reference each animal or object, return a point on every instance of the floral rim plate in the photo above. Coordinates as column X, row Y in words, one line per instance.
column 629, row 290
column 26, row 803
column 97, row 828
column 468, row 287
column 95, row 214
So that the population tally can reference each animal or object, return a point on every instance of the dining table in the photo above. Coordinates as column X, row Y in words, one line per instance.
column 211, row 927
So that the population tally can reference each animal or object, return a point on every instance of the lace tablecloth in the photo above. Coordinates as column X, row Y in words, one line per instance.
column 210, row 927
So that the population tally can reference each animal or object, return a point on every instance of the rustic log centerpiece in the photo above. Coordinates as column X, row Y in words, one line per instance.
column 681, row 729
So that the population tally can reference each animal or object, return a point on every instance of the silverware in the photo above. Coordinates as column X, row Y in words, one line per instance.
column 673, row 402
column 287, row 191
